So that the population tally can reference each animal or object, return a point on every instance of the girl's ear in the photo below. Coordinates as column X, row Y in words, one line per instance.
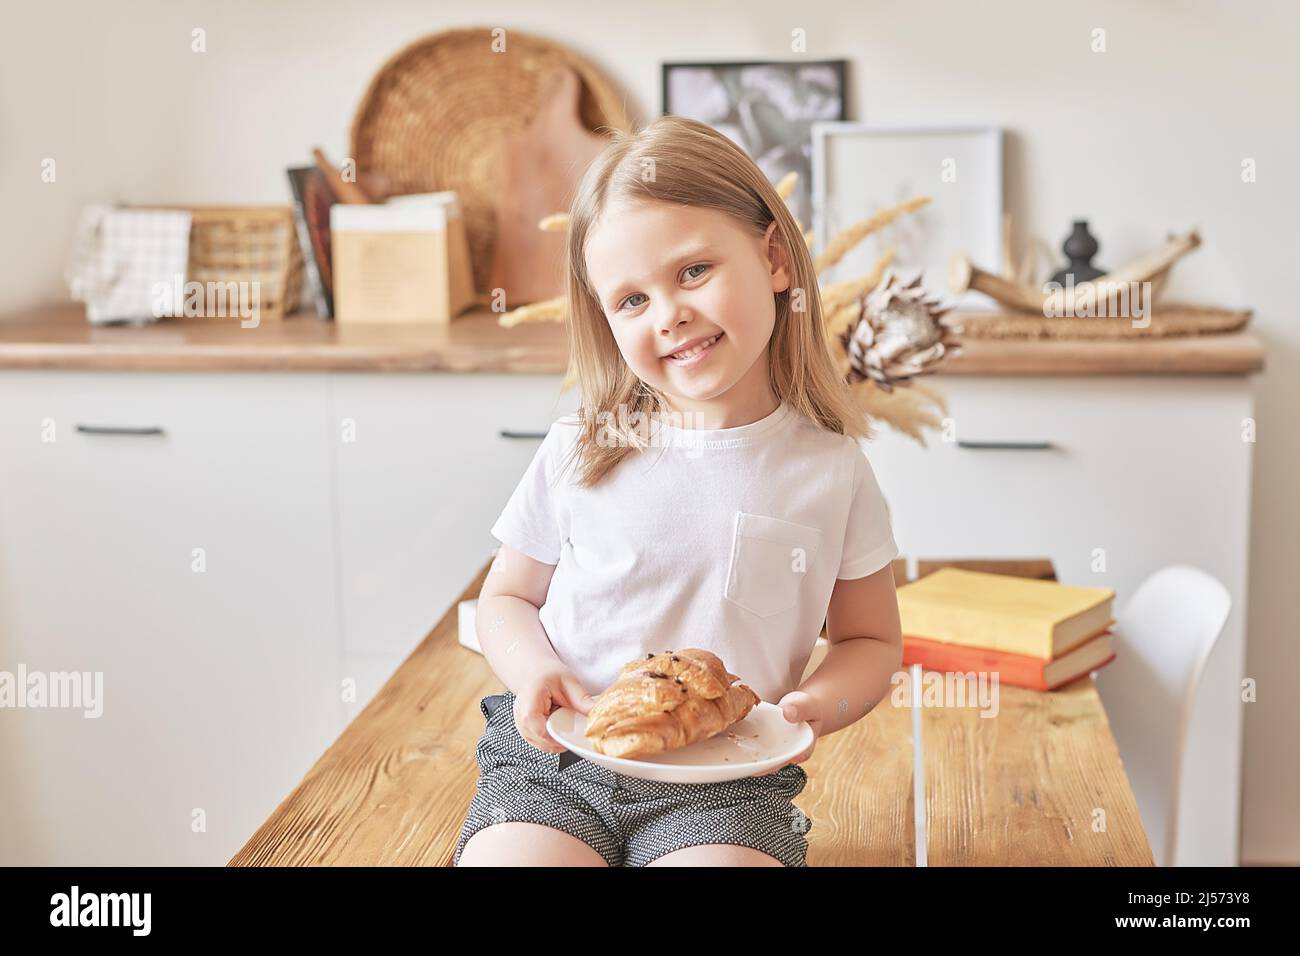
column 777, row 257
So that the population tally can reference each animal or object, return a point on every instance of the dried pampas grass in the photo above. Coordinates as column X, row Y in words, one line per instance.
column 911, row 410
column 548, row 310
column 840, row 302
column 785, row 188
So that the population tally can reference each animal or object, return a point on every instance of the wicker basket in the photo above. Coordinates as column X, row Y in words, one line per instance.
column 248, row 244
column 435, row 115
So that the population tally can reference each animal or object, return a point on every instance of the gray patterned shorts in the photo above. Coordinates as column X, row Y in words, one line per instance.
column 627, row 820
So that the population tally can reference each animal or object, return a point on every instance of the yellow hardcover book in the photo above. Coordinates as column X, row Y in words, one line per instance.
column 1004, row 613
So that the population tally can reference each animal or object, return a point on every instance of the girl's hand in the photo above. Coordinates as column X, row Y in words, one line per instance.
column 536, row 700
column 798, row 706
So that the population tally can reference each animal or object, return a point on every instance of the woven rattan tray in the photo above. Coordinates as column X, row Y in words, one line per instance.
column 1165, row 320
column 434, row 116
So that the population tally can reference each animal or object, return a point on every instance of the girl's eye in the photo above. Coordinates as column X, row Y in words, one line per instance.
column 687, row 273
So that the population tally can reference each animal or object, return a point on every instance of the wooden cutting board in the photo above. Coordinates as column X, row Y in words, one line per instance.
column 539, row 169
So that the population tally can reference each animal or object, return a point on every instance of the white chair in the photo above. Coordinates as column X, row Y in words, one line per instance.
column 1163, row 635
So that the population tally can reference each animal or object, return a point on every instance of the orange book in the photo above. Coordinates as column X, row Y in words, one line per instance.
column 1016, row 670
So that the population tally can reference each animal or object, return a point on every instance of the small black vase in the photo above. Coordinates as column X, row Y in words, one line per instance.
column 1079, row 247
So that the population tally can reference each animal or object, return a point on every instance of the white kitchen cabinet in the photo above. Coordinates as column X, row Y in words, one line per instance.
column 425, row 463
column 245, row 558
column 193, row 568
column 1140, row 473
column 423, row 471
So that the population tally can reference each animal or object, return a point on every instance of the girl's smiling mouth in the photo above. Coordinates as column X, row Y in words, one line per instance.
column 696, row 353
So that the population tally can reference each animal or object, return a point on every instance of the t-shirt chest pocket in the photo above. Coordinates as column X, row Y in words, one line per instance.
column 769, row 561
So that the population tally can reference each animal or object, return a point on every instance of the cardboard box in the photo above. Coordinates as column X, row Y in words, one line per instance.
column 406, row 260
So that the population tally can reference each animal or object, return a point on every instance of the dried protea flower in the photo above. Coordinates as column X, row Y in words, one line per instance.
column 901, row 333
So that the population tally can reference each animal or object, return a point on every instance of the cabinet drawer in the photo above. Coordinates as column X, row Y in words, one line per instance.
column 1061, row 467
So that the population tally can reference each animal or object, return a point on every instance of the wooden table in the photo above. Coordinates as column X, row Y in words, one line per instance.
column 1041, row 783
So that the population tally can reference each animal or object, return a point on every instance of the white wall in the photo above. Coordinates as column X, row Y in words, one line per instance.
column 1144, row 138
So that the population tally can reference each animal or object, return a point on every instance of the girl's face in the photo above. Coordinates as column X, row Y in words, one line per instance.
column 669, row 277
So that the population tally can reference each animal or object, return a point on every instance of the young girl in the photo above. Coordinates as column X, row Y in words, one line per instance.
column 710, row 492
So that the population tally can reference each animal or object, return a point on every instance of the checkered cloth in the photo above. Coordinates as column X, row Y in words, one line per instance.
column 128, row 263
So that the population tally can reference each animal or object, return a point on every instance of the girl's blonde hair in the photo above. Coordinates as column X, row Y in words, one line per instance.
column 684, row 162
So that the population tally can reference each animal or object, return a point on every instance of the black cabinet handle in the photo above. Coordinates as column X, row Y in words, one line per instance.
column 1016, row 445
column 119, row 430
column 507, row 433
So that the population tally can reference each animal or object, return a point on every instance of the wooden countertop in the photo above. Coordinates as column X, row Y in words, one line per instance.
column 1018, row 789
column 59, row 337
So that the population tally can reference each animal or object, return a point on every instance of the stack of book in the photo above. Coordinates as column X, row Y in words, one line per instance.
column 1037, row 634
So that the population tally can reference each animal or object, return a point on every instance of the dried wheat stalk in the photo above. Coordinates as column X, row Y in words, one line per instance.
column 836, row 296
column 840, row 246
column 548, row 310
column 910, row 410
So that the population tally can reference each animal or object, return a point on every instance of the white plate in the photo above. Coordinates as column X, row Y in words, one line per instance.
column 760, row 743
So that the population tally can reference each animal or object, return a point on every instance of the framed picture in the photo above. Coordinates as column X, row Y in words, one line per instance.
column 860, row 169
column 766, row 108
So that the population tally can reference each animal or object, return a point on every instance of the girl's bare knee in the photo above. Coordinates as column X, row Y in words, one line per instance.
column 716, row 854
column 516, row 843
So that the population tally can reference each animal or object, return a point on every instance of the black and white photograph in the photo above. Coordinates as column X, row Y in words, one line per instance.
column 766, row 108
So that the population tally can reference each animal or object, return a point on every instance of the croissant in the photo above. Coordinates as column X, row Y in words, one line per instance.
column 665, row 701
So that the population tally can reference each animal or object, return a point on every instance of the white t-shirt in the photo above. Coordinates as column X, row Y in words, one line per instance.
column 726, row 539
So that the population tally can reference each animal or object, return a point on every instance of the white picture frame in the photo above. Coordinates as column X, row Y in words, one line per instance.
column 861, row 168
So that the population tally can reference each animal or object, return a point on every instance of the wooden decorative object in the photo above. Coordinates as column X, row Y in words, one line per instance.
column 1023, row 272
column 435, row 117
column 540, row 168
column 1082, row 298
column 1146, row 268
column 964, row 275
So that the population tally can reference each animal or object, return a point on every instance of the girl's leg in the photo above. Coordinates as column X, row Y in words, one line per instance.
column 515, row 843
column 716, row 854
column 751, row 821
